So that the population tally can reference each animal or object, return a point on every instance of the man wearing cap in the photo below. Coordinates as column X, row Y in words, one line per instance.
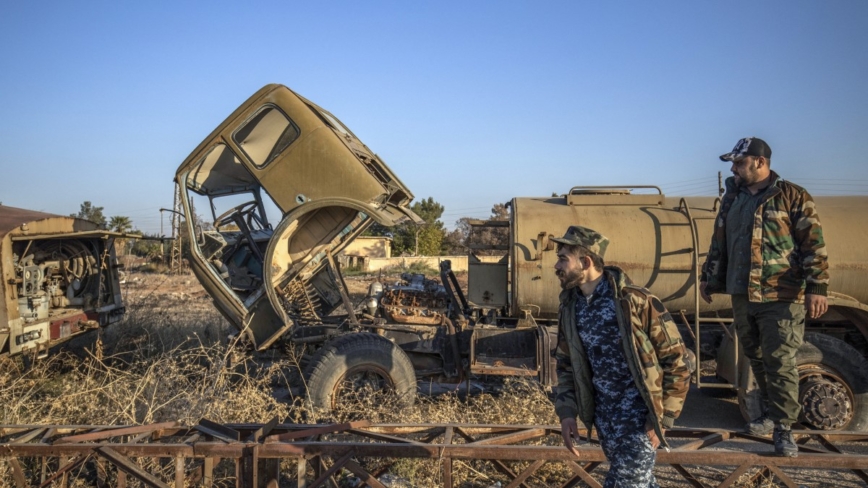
column 621, row 362
column 767, row 251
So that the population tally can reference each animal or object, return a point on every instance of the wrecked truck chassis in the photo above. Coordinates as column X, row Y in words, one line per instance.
column 462, row 344
column 459, row 344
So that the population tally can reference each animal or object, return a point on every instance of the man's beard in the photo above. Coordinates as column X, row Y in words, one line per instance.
column 570, row 280
column 745, row 180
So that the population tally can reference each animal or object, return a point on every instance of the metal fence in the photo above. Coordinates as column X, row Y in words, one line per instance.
column 166, row 454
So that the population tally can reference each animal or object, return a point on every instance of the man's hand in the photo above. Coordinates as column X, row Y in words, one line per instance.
column 705, row 296
column 652, row 436
column 815, row 305
column 570, row 431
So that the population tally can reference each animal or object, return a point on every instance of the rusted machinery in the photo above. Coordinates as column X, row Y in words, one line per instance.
column 59, row 280
column 166, row 454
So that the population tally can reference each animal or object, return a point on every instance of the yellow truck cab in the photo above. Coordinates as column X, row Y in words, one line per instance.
column 287, row 187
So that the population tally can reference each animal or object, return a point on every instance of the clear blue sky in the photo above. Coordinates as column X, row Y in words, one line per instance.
column 471, row 103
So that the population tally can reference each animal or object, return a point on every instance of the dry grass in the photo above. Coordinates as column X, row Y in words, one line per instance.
column 162, row 362
column 172, row 358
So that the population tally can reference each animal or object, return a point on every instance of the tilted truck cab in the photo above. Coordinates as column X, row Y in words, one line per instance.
column 280, row 158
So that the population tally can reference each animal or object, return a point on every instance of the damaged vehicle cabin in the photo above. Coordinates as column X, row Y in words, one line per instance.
column 287, row 187
column 60, row 280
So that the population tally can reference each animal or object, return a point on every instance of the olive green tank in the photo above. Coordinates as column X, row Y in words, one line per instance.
column 660, row 242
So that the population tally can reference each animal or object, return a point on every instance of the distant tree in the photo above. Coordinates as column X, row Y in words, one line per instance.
column 455, row 242
column 494, row 236
column 459, row 240
column 120, row 223
column 91, row 213
column 377, row 229
column 428, row 239
column 406, row 236
column 148, row 248
column 428, row 209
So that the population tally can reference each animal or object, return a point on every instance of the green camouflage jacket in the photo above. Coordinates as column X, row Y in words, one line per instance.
column 788, row 254
column 652, row 345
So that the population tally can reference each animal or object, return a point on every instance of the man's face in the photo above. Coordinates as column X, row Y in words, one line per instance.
column 746, row 171
column 569, row 269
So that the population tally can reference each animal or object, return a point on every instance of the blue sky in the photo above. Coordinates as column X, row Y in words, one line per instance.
column 472, row 103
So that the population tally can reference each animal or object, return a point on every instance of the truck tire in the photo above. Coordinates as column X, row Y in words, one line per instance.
column 833, row 386
column 359, row 364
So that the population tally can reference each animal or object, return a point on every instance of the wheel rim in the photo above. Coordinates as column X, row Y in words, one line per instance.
column 827, row 402
column 361, row 383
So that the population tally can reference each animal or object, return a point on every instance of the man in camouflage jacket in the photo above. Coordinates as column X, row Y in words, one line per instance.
column 620, row 360
column 768, row 253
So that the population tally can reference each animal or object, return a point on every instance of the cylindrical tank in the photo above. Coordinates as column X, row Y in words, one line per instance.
column 651, row 239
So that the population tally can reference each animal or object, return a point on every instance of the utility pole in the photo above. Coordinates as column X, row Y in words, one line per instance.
column 162, row 240
column 175, row 259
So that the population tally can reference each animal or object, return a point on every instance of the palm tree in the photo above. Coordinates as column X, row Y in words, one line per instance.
column 120, row 223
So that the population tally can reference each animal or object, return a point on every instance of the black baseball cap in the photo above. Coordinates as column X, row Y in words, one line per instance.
column 749, row 146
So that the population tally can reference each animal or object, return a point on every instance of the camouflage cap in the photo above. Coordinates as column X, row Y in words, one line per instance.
column 748, row 146
column 582, row 236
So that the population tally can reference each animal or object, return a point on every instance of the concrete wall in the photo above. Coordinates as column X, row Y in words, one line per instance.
column 369, row 247
column 459, row 263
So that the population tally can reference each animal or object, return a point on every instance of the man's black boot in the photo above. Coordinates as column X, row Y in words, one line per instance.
column 761, row 425
column 785, row 444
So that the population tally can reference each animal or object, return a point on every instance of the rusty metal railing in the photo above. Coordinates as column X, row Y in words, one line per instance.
column 47, row 455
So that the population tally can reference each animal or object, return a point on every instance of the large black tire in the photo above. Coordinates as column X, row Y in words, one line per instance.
column 359, row 363
column 833, row 386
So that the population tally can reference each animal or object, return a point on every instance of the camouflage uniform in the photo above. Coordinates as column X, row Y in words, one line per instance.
column 620, row 365
column 788, row 254
column 787, row 259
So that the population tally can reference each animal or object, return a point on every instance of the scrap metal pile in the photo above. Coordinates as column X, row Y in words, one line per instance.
column 417, row 301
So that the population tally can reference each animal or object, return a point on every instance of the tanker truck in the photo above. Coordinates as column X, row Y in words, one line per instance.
column 280, row 155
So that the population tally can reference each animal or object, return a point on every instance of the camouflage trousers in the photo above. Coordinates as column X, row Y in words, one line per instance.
column 770, row 335
column 628, row 450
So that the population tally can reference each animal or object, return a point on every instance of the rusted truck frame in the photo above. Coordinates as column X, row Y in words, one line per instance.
column 103, row 454
column 282, row 155
column 59, row 280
